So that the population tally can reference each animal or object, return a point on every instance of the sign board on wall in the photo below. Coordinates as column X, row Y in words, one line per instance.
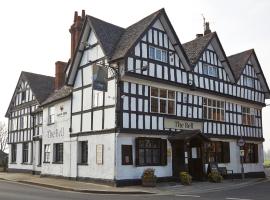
column 99, row 154
column 100, row 78
column 181, row 124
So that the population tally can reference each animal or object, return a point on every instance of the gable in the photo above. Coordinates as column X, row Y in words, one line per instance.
column 210, row 64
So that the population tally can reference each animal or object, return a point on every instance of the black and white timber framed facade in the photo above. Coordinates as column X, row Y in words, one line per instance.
column 170, row 106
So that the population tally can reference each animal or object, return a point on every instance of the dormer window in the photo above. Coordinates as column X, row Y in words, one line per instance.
column 210, row 70
column 157, row 54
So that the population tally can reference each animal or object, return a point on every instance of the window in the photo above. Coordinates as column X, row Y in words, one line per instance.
column 51, row 115
column 21, row 122
column 218, row 152
column 84, row 152
column 162, row 101
column 40, row 118
column 25, row 152
column 210, row 70
column 157, row 54
column 248, row 117
column 248, row 81
column 251, row 153
column 213, row 109
column 127, row 155
column 47, row 152
column 13, row 153
column 58, row 152
column 151, row 151
column 23, row 95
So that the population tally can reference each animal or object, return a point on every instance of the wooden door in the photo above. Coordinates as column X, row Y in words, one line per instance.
column 178, row 158
column 195, row 163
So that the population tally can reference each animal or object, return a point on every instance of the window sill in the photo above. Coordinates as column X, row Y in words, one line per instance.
column 57, row 162
column 25, row 163
column 83, row 164
column 149, row 165
column 46, row 162
column 12, row 163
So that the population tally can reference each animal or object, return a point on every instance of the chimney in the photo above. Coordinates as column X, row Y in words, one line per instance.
column 199, row 35
column 207, row 28
column 75, row 30
column 59, row 80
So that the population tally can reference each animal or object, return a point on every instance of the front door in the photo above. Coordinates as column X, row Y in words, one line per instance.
column 178, row 158
column 195, row 162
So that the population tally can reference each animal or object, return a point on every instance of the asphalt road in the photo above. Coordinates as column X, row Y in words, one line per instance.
column 16, row 191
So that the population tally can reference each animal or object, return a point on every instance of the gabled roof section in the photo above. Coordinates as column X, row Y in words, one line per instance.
column 62, row 93
column 195, row 48
column 107, row 34
column 238, row 62
column 136, row 31
column 42, row 86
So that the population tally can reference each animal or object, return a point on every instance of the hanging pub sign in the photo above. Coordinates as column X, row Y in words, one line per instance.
column 100, row 75
column 241, row 142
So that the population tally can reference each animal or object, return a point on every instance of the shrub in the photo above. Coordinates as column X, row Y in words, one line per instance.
column 149, row 178
column 215, row 177
column 185, row 178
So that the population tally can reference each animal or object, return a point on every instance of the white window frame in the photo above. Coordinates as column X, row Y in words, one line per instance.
column 207, row 106
column 210, row 70
column 51, row 115
column 163, row 98
column 249, row 115
column 158, row 54
column 248, row 81
column 47, row 152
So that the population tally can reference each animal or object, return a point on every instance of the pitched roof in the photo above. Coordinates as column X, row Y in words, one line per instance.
column 108, row 34
column 42, row 86
column 63, row 92
column 195, row 48
column 132, row 34
column 238, row 61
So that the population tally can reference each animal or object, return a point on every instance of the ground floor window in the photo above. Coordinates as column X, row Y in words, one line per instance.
column 218, row 152
column 58, row 152
column 47, row 152
column 13, row 153
column 84, row 152
column 151, row 151
column 127, row 158
column 251, row 153
column 25, row 152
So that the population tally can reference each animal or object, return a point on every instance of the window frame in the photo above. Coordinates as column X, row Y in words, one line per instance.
column 208, row 69
column 47, row 153
column 250, row 151
column 25, row 152
column 84, row 152
column 51, row 115
column 13, row 153
column 211, row 106
column 163, row 54
column 248, row 117
column 58, row 153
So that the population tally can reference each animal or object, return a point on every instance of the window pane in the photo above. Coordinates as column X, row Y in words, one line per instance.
column 148, row 156
column 171, row 107
column 158, row 54
column 151, row 52
column 163, row 105
column 171, row 94
column 163, row 93
column 210, row 113
column 164, row 56
column 154, row 104
column 141, row 156
column 154, row 92
column 156, row 156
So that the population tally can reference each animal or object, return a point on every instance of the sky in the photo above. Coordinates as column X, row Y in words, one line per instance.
column 34, row 34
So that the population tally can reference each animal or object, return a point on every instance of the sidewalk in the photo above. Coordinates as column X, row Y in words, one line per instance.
column 170, row 188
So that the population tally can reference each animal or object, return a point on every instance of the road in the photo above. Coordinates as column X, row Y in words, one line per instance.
column 17, row 191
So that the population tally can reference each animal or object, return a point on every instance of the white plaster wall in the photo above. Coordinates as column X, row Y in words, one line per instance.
column 62, row 123
column 133, row 172
column 94, row 170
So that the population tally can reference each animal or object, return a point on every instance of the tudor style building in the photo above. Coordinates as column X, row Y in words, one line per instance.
column 166, row 105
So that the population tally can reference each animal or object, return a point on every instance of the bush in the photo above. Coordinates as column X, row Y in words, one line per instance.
column 149, row 178
column 215, row 177
column 185, row 178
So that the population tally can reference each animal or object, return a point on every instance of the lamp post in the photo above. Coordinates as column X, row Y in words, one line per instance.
column 241, row 143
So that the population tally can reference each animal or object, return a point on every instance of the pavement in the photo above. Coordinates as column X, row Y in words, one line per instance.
column 168, row 188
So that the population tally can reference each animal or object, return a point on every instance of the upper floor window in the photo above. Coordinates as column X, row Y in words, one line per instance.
column 51, row 117
column 210, row 70
column 213, row 109
column 248, row 117
column 157, row 54
column 248, row 81
column 162, row 101
column 23, row 95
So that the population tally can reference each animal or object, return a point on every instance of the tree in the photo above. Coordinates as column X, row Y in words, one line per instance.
column 3, row 136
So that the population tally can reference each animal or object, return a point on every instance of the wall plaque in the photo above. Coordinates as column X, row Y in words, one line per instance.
column 181, row 124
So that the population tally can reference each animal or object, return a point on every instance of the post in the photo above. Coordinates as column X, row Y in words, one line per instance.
column 241, row 144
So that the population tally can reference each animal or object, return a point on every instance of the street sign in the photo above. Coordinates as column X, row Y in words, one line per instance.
column 241, row 142
column 242, row 152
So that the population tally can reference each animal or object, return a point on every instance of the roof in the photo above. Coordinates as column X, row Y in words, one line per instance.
column 132, row 34
column 42, row 86
column 238, row 62
column 63, row 92
column 195, row 48
column 108, row 34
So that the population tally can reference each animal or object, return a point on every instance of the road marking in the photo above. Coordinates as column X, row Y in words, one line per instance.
column 236, row 199
column 187, row 195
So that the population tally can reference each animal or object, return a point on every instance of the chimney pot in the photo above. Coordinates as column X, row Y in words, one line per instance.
column 75, row 16
column 199, row 35
column 83, row 14
column 207, row 28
